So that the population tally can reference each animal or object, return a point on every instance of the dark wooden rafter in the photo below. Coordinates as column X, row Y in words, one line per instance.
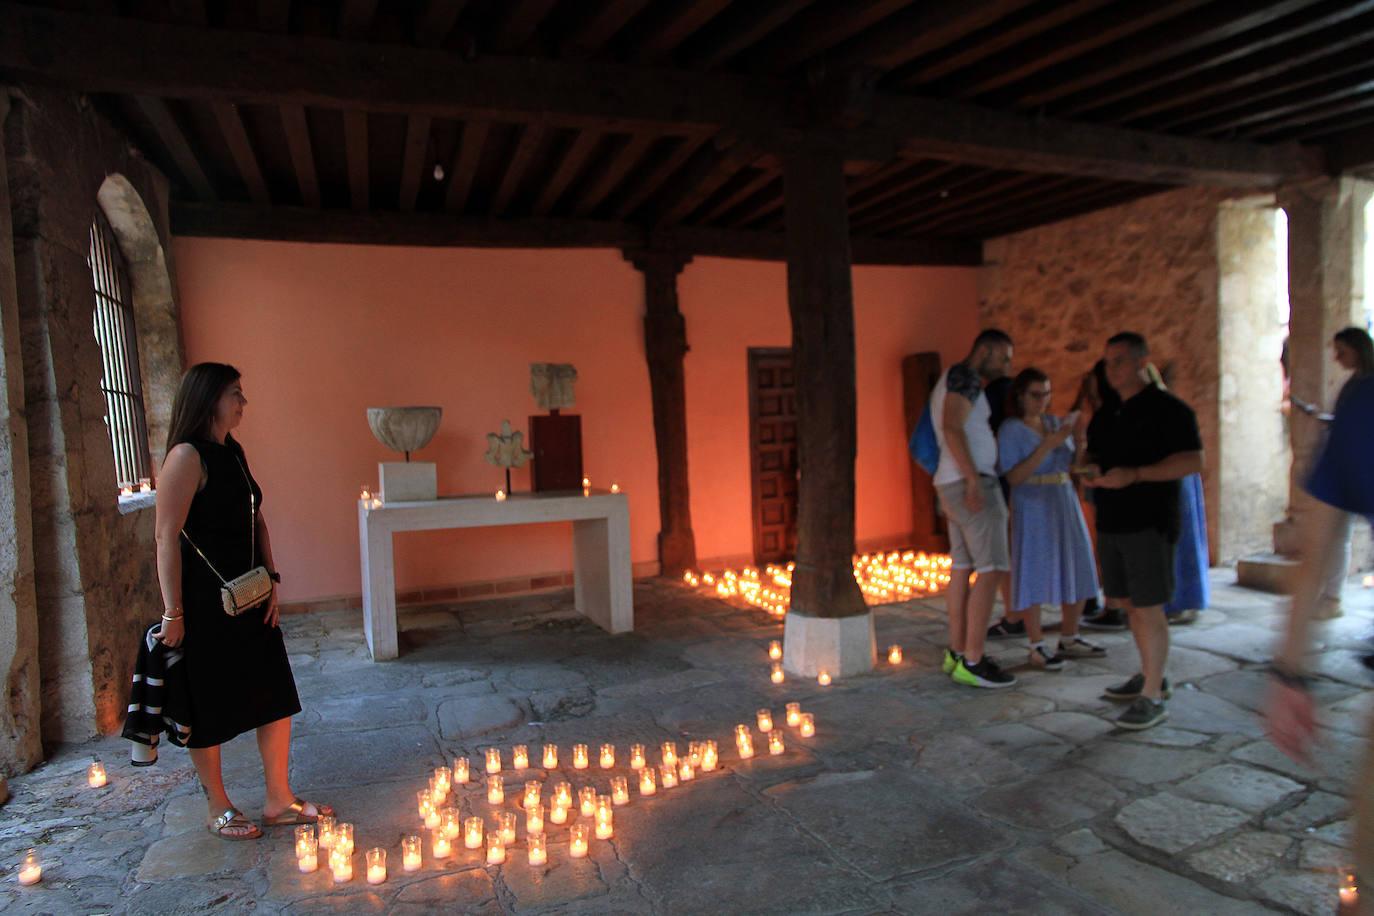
column 435, row 20
column 990, row 194
column 655, row 178
column 1055, row 211
column 465, row 161
column 917, row 176
column 1352, row 151
column 414, row 160
column 531, row 135
column 682, row 20
column 301, row 224
column 712, row 170
column 816, row 29
column 274, row 15
column 241, row 148
column 302, row 152
column 594, row 191
column 1318, row 116
column 1269, row 112
column 1295, row 41
column 573, row 161
column 737, row 29
column 953, row 185
column 355, row 16
column 173, row 139
column 519, row 22
column 356, row 153
column 919, row 30
column 763, row 179
column 605, row 20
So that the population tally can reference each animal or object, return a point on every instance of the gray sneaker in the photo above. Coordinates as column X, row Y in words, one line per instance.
column 1143, row 713
column 1131, row 688
column 1078, row 647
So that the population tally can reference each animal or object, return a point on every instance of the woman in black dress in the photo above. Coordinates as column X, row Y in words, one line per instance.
column 209, row 524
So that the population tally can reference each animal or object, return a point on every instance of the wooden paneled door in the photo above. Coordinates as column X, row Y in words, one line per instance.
column 920, row 375
column 773, row 453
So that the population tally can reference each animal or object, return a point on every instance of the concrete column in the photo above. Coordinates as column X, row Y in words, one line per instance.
column 828, row 627
column 20, row 740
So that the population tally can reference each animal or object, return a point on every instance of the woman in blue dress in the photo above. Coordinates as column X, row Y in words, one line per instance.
column 1051, row 554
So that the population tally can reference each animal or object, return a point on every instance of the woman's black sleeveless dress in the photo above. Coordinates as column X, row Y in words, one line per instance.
column 236, row 667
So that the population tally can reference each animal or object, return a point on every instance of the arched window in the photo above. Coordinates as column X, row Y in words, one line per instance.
column 121, row 381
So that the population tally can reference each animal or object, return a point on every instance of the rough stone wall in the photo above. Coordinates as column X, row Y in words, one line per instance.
column 1148, row 266
column 95, row 578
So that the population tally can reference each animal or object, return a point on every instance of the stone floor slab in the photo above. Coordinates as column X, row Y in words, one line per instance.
column 1247, row 788
column 1242, row 857
column 1172, row 824
column 1125, row 885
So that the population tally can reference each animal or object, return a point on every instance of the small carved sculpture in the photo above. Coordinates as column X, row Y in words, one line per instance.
column 506, row 449
column 552, row 385
column 404, row 429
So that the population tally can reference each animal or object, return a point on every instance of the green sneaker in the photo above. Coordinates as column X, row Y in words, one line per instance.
column 984, row 674
column 949, row 663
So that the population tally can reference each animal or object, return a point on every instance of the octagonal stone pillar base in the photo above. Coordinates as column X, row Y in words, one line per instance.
column 843, row 646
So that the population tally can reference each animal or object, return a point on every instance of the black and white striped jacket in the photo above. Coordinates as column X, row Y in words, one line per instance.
column 159, row 701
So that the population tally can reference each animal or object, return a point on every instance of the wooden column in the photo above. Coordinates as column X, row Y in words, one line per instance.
column 821, row 301
column 665, row 345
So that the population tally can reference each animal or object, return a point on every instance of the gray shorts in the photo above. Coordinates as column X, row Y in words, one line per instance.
column 977, row 542
column 1138, row 565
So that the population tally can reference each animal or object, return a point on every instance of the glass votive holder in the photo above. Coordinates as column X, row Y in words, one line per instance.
column 534, row 819
column 668, row 752
column 765, row 719
column 30, row 869
column 307, row 849
column 648, row 781
column 693, row 753
column 438, row 794
column 775, row 650
column 343, row 837
column 580, row 761
column 520, row 757
column 558, row 814
column 668, row 776
column 533, row 788
column 746, row 747
column 685, row 771
column 305, row 837
column 775, row 744
column 620, row 790
column 607, row 757
column 775, row 673
column 496, row 790
column 793, row 715
column 550, row 756
column 451, row 822
column 577, row 841
column 710, row 756
column 505, row 826
column 411, row 856
column 462, row 771
column 95, row 775
column 496, row 849
column 894, row 655
column 341, row 865
column 424, row 801
column 562, row 793
column 605, row 823
column 636, row 756
column 586, row 798
column 741, row 731
column 433, row 819
column 538, row 849
column 376, row 865
column 472, row 833
column 493, row 760
column 807, row 727
column 823, row 679
column 442, row 779
column 439, row 845
column 325, row 825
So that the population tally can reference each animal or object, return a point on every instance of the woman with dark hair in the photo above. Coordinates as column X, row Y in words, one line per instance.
column 210, row 530
column 1051, row 554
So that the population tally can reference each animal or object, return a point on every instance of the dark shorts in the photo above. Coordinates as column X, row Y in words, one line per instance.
column 1138, row 565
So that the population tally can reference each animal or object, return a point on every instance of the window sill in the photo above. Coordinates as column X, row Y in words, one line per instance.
column 136, row 502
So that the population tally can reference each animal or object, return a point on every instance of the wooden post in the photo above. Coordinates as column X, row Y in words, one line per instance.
column 665, row 345
column 821, row 301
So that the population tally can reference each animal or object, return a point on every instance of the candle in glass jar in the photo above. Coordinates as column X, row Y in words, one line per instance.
column 343, row 838
column 424, row 801
column 461, row 770
column 433, row 819
column 746, row 747
column 411, row 845
column 562, row 794
column 710, row 756
column 307, row 849
column 505, row 824
column 472, row 833
column 686, row 772
column 775, row 650
column 648, row 781
column 365, row 495
column 451, row 822
column 668, row 776
column 439, row 845
column 30, row 869
column 694, row 753
column 558, row 814
column 894, row 655
column 636, row 756
column 823, row 679
column 534, row 819
column 776, row 675
column 325, row 825
column 775, row 745
column 376, row 865
column 577, row 841
column 309, row 862
column 808, row 725
column 550, row 756
column 538, row 849
column 586, row 797
column 496, row 790
column 95, row 775
column 126, row 491
column 437, row 794
column 793, row 715
column 496, row 849
column 615, row 488
column 1349, row 894
column 607, row 756
column 605, row 818
column 765, row 717
column 520, row 757
column 442, row 775
column 500, row 496
column 620, row 790
column 533, row 789
column 341, row 864
column 579, row 756
column 669, row 753
column 493, row 760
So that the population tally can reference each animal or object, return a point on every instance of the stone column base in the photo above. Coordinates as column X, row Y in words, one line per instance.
column 843, row 646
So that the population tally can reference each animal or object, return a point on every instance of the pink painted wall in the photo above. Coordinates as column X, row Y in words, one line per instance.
column 321, row 332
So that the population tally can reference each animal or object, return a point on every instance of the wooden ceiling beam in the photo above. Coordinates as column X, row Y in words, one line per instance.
column 704, row 178
column 241, row 148
column 1352, row 151
column 899, row 212
column 816, row 29
column 738, row 28
column 1246, row 119
column 677, row 27
column 444, row 230
column 1336, row 111
column 601, row 26
column 521, row 19
column 174, row 140
column 1078, row 206
column 436, row 20
column 764, row 178
column 1030, row 194
column 924, row 173
column 530, row 137
column 919, row 30
column 355, row 151
column 413, row 160
column 603, row 183
column 302, row 152
column 465, row 162
column 571, row 165
column 658, row 175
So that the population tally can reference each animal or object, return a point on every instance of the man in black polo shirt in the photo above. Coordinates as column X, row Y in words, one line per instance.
column 1140, row 451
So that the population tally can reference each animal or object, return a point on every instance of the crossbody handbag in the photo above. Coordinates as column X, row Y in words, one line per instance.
column 253, row 587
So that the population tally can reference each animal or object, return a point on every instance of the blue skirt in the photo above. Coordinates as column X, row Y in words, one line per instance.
column 1192, row 590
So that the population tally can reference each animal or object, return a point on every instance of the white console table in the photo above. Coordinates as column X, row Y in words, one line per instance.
column 602, row 583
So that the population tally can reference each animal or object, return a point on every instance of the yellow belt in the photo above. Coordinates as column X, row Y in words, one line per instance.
column 1048, row 480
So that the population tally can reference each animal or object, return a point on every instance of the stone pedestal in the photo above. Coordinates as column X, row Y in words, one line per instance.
column 1267, row 572
column 407, row 481
column 843, row 646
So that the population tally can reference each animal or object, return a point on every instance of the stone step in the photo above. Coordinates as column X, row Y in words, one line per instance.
column 1266, row 572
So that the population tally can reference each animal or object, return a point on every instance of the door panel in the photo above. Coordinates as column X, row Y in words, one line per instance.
column 773, row 454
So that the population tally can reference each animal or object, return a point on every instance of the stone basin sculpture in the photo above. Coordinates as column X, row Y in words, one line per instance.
column 404, row 429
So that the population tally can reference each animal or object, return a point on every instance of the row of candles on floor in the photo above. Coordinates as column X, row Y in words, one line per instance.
column 881, row 577
column 447, row 827
column 145, row 485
